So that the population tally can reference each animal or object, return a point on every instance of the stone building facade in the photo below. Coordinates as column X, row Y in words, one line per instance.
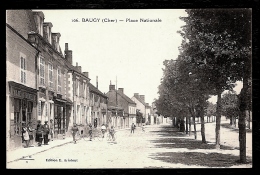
column 21, row 89
column 119, row 101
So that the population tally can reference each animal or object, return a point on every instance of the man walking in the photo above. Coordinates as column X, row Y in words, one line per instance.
column 74, row 131
column 132, row 128
column 46, row 130
column 51, row 129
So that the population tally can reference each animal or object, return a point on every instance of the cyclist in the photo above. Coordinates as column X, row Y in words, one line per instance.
column 103, row 130
column 112, row 132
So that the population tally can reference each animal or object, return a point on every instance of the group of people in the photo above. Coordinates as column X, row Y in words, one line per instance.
column 42, row 133
column 75, row 130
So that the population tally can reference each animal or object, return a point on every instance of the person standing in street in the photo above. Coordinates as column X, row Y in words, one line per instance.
column 25, row 135
column 103, row 130
column 39, row 130
column 74, row 131
column 46, row 130
column 51, row 129
column 30, row 131
column 132, row 128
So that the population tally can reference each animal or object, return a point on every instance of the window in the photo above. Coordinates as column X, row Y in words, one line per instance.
column 39, row 108
column 23, row 73
column 50, row 75
column 59, row 80
column 84, row 90
column 42, row 72
column 78, row 87
column 29, row 111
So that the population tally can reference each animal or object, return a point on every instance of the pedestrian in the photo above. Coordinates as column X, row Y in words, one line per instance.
column 74, row 131
column 112, row 133
column 132, row 128
column 46, row 131
column 39, row 130
column 25, row 135
column 90, row 132
column 30, row 130
column 143, row 128
column 51, row 129
column 103, row 130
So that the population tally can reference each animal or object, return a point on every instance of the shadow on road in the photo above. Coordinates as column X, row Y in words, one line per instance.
column 228, row 126
column 197, row 158
column 171, row 138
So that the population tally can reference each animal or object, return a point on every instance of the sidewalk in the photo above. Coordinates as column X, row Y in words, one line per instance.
column 20, row 153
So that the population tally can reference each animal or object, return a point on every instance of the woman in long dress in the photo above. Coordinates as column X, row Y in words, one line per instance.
column 39, row 131
column 25, row 135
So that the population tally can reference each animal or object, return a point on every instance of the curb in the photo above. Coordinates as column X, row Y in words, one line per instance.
column 40, row 151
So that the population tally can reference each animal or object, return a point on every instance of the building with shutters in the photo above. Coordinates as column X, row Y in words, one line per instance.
column 121, row 107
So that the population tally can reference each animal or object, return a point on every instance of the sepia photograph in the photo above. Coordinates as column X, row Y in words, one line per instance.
column 129, row 88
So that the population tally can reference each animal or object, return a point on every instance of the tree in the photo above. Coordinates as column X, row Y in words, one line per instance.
column 230, row 107
column 219, row 41
column 211, row 110
column 139, row 116
column 219, row 47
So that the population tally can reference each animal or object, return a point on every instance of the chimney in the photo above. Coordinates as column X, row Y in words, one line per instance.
column 68, row 53
column 56, row 41
column 136, row 95
column 142, row 97
column 121, row 90
column 85, row 73
column 147, row 104
column 97, row 82
column 111, row 87
column 39, row 18
column 47, row 31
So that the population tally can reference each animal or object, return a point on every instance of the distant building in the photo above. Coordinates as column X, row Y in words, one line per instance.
column 119, row 101
column 98, row 104
column 142, row 106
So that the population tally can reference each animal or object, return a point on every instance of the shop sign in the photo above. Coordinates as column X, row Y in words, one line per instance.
column 21, row 94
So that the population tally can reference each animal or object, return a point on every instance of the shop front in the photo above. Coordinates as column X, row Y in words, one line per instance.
column 59, row 117
column 22, row 108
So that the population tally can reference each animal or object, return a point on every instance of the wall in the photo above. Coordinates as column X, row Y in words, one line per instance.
column 139, row 105
column 15, row 47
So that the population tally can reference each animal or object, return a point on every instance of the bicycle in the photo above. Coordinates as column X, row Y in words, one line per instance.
column 109, row 137
column 80, row 136
column 97, row 134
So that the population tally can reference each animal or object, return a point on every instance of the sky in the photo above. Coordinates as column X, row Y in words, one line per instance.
column 128, row 54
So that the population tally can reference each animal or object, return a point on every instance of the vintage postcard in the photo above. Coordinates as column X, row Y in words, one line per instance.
column 128, row 88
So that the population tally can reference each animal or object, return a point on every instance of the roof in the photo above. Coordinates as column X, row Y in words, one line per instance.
column 92, row 88
column 125, row 97
column 139, row 99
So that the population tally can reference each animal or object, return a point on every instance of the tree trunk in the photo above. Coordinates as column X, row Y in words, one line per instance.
column 195, row 131
column 242, row 126
column 231, row 120
column 249, row 119
column 189, row 125
column 187, row 129
column 193, row 116
column 218, row 120
column 202, row 125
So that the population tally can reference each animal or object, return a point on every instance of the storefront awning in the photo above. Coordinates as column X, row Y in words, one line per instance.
column 60, row 100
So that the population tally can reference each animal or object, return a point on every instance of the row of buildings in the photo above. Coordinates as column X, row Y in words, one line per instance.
column 43, row 84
